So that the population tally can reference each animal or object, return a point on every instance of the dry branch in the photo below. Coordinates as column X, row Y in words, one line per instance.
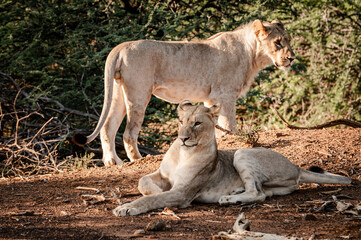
column 88, row 188
column 248, row 133
column 30, row 139
column 168, row 212
column 242, row 232
column 115, row 196
column 30, row 134
column 324, row 125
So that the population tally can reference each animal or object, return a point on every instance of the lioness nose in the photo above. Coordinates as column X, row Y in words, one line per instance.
column 184, row 139
column 291, row 59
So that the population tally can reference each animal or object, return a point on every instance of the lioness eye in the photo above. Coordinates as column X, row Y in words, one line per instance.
column 278, row 44
column 180, row 122
column 197, row 123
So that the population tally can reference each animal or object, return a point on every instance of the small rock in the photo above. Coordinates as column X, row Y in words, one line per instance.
column 309, row 217
column 158, row 225
column 27, row 213
column 139, row 232
column 279, row 134
column 63, row 213
column 341, row 206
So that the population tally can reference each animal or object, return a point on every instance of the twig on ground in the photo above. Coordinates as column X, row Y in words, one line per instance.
column 27, row 213
column 169, row 212
column 90, row 199
column 115, row 195
column 88, row 188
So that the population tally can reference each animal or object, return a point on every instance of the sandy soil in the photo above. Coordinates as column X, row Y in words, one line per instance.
column 51, row 206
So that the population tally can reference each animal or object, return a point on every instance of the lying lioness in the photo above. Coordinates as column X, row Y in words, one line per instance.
column 194, row 170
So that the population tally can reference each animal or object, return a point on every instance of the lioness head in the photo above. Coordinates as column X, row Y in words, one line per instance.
column 274, row 40
column 196, row 124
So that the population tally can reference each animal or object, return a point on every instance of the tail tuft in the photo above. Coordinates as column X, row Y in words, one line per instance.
column 316, row 169
column 79, row 139
column 318, row 175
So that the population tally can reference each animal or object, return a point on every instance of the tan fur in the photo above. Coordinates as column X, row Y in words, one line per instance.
column 194, row 170
column 217, row 70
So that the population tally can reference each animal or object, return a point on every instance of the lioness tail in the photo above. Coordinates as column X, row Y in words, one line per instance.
column 109, row 72
column 320, row 176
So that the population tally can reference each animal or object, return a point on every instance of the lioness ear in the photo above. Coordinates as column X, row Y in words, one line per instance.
column 278, row 22
column 259, row 30
column 183, row 106
column 214, row 112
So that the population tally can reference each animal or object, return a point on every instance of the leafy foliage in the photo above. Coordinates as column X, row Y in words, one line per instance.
column 324, row 84
column 57, row 48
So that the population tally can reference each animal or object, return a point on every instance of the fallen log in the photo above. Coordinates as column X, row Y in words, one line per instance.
column 320, row 126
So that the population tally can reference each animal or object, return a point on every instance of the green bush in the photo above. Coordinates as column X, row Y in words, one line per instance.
column 324, row 83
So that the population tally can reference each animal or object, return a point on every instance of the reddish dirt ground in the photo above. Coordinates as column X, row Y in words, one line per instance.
column 50, row 206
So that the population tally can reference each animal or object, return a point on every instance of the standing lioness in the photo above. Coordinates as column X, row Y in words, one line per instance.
column 193, row 169
column 217, row 70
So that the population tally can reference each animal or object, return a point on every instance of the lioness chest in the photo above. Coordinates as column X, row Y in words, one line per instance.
column 224, row 181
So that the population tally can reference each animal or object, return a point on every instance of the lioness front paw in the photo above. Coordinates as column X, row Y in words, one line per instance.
column 125, row 210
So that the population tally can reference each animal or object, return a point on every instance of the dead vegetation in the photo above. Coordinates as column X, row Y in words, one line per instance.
column 30, row 138
column 34, row 130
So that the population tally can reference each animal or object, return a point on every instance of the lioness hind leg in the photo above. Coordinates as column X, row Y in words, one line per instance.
column 252, row 194
column 108, row 132
column 153, row 183
column 279, row 190
column 238, row 191
column 136, row 105
column 252, row 184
